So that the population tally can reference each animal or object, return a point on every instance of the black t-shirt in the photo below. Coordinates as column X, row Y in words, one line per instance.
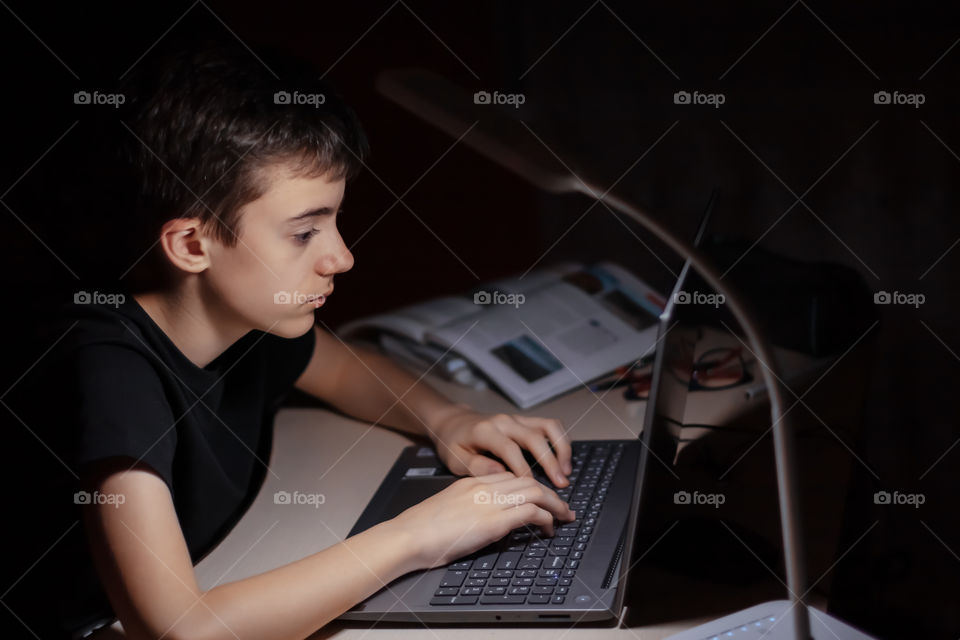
column 114, row 384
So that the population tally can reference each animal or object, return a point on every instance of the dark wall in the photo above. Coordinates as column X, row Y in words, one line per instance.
column 877, row 184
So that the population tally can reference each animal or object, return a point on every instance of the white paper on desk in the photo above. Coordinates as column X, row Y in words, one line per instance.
column 572, row 325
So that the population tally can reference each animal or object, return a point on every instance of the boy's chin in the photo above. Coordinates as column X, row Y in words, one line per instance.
column 293, row 327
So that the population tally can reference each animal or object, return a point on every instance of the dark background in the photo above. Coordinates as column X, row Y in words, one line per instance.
column 878, row 186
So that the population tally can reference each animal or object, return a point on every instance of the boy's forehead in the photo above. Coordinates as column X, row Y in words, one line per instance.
column 285, row 185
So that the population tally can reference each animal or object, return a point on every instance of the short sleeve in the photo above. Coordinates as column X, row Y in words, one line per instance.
column 121, row 408
column 287, row 359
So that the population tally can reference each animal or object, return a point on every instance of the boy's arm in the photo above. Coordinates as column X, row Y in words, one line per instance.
column 366, row 385
column 371, row 387
column 144, row 565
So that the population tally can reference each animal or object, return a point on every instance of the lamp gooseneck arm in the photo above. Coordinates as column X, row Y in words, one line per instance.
column 782, row 436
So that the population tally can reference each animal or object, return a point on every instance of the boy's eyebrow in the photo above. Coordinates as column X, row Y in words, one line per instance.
column 312, row 213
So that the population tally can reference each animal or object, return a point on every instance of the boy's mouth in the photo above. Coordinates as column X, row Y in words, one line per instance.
column 318, row 299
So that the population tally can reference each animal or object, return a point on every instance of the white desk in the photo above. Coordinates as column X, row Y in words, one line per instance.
column 318, row 451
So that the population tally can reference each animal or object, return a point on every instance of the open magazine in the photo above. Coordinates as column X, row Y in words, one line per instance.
column 533, row 337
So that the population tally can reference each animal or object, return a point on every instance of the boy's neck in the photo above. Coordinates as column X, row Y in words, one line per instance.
column 193, row 327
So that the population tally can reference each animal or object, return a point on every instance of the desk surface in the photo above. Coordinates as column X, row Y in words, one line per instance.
column 320, row 452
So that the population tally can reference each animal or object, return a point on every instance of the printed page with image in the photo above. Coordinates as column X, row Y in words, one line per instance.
column 532, row 337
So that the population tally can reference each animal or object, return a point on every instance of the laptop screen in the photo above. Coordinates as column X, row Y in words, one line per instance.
column 677, row 337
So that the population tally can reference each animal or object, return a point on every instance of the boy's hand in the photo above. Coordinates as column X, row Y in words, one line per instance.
column 473, row 512
column 462, row 435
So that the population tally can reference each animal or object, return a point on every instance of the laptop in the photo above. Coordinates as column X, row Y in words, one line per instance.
column 579, row 574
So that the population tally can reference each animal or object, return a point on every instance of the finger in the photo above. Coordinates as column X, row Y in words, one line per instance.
column 558, row 437
column 536, row 443
column 481, row 465
column 530, row 513
column 498, row 477
column 501, row 445
column 542, row 496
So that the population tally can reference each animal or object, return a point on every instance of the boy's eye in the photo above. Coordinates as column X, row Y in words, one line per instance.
column 304, row 238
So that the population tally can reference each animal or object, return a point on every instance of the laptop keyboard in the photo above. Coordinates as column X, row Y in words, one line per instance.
column 526, row 566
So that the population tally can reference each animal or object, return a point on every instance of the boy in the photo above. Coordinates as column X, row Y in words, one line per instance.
column 168, row 385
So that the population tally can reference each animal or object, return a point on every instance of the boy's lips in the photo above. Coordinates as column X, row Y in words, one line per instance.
column 318, row 299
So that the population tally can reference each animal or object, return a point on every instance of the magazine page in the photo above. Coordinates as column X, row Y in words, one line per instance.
column 413, row 321
column 561, row 335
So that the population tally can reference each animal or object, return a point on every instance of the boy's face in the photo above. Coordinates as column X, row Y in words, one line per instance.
column 289, row 250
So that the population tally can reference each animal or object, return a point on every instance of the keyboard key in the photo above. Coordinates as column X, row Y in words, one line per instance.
column 498, row 582
column 557, row 599
column 555, row 562
column 538, row 599
column 495, row 591
column 453, row 600
column 471, row 591
column 519, row 591
column 479, row 574
column 474, row 582
column 453, row 578
column 508, row 560
column 447, row 591
column 504, row 599
column 522, row 582
column 529, row 563
column 463, row 564
column 542, row 589
column 485, row 562
column 503, row 573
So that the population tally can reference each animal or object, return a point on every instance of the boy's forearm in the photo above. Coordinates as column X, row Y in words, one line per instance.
column 368, row 388
column 293, row 601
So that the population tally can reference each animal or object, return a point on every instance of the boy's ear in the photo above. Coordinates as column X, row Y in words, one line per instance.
column 185, row 244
